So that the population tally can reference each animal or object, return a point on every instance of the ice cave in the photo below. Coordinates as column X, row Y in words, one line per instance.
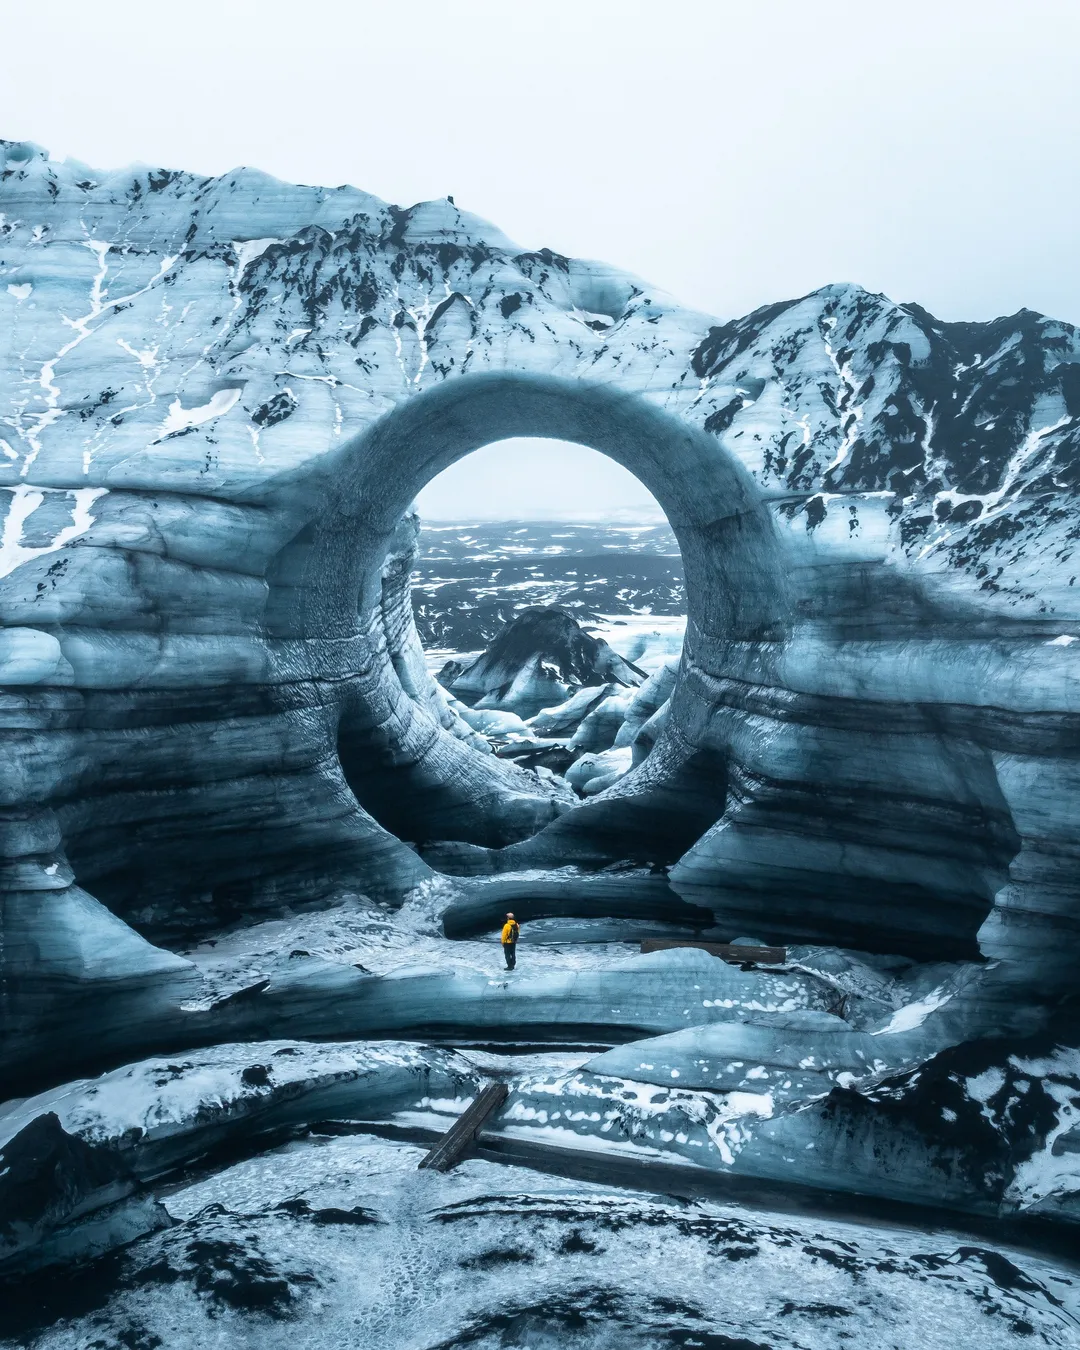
column 255, row 856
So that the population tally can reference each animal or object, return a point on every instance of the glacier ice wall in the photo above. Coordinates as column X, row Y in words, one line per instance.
column 219, row 397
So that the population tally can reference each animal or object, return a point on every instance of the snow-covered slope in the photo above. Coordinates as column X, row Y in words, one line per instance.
column 846, row 405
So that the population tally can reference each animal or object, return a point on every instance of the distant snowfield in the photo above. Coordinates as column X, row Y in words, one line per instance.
column 622, row 581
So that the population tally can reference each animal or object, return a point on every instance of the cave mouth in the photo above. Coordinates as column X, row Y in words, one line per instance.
column 418, row 779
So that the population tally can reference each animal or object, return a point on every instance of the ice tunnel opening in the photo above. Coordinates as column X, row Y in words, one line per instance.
column 548, row 596
column 406, row 757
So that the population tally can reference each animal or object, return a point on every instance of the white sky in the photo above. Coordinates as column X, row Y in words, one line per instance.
column 530, row 479
column 732, row 153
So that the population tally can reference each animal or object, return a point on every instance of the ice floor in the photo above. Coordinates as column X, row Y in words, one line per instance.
column 343, row 1242
column 335, row 1238
column 358, row 933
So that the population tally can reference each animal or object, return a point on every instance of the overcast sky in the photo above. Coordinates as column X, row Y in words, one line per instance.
column 529, row 479
column 732, row 153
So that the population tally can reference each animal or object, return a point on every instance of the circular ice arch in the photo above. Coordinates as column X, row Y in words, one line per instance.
column 732, row 553
column 328, row 585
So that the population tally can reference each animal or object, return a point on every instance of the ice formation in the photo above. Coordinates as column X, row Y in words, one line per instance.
column 218, row 399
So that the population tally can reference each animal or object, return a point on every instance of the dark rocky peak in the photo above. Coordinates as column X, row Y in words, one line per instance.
column 538, row 660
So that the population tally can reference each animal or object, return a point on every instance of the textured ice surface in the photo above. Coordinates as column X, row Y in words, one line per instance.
column 973, row 1127
column 180, row 1097
column 341, row 1241
column 792, row 1056
column 222, row 394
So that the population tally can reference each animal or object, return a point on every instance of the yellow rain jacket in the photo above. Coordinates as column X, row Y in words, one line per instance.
column 510, row 932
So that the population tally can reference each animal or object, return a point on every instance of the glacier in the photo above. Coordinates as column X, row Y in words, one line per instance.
column 239, row 818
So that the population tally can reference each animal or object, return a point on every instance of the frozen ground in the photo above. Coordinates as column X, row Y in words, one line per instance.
column 287, row 1222
column 382, row 941
column 341, row 1241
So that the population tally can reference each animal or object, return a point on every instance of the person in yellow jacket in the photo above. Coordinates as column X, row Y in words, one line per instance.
column 509, row 941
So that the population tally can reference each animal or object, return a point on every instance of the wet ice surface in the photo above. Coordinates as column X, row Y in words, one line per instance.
column 343, row 1242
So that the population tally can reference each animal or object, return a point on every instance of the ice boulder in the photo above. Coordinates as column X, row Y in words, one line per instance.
column 794, row 1056
column 593, row 773
column 566, row 717
column 599, row 730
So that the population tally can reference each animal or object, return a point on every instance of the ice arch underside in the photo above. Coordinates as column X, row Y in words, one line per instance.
column 219, row 398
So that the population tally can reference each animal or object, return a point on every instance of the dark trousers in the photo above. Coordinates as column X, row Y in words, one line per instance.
column 510, row 952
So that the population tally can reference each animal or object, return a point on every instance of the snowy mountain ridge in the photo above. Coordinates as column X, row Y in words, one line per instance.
column 215, row 333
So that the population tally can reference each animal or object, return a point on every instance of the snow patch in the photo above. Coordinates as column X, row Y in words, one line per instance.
column 914, row 1014
column 25, row 501
column 247, row 251
column 180, row 418
column 986, row 1085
